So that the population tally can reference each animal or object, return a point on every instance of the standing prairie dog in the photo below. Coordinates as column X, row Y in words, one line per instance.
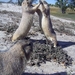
column 13, row 61
column 27, row 20
column 46, row 23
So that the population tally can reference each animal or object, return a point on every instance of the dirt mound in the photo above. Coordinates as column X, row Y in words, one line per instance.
column 43, row 52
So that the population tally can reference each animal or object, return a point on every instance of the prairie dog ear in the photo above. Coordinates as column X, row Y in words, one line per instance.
column 28, row 48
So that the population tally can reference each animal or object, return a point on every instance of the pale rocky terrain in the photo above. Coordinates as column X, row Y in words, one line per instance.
column 10, row 16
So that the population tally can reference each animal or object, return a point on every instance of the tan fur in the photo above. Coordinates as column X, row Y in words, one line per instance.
column 46, row 23
column 27, row 20
column 13, row 61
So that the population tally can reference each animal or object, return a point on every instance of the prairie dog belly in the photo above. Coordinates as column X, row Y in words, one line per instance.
column 45, row 26
column 24, row 27
column 26, row 24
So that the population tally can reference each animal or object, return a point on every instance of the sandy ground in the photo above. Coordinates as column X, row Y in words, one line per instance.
column 65, row 30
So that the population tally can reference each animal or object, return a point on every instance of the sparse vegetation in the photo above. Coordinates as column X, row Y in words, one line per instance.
column 70, row 14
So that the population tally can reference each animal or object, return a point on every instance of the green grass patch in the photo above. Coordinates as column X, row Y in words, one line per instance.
column 70, row 14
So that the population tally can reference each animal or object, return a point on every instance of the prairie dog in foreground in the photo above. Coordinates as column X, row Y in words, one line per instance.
column 13, row 61
column 46, row 23
column 27, row 20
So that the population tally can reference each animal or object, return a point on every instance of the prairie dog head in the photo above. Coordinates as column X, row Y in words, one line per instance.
column 47, row 8
column 41, row 7
column 46, row 5
column 44, row 8
column 26, row 3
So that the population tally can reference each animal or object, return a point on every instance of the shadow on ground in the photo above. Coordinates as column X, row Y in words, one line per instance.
column 61, row 73
column 65, row 44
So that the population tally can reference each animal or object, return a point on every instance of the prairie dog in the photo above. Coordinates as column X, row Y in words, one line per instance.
column 27, row 20
column 13, row 61
column 46, row 23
